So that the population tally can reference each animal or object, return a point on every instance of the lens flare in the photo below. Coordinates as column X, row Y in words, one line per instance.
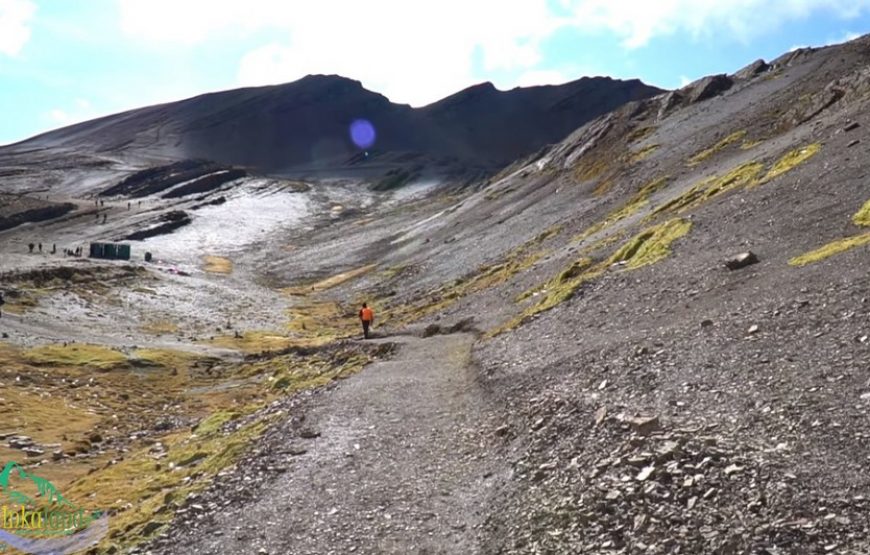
column 362, row 133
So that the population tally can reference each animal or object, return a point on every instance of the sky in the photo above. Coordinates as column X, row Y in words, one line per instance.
column 64, row 61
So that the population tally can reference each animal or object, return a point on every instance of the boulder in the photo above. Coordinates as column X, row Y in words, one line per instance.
column 741, row 260
column 708, row 87
column 753, row 69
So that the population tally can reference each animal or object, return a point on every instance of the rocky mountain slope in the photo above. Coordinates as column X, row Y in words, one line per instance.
column 305, row 124
column 646, row 388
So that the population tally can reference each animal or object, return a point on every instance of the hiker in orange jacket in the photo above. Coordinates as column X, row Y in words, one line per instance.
column 367, row 317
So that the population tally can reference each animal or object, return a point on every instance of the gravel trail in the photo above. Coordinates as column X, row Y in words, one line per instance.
column 397, row 466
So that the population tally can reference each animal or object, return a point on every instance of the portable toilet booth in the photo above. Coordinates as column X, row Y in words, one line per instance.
column 110, row 251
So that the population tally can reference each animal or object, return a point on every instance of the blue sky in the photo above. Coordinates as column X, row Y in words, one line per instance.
column 63, row 61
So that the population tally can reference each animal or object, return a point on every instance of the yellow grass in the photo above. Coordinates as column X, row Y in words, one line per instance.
column 217, row 264
column 76, row 354
column 831, row 249
column 790, row 160
column 330, row 282
column 721, row 145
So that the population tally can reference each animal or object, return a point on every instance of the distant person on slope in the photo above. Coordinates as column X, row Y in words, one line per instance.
column 367, row 317
column 2, row 302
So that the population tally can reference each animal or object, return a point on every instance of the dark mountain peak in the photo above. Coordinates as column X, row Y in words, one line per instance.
column 304, row 124
column 325, row 80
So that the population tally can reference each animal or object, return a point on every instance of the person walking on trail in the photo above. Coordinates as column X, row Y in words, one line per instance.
column 367, row 317
column 2, row 302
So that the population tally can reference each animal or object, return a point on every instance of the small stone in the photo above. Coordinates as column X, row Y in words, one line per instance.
column 309, row 433
column 741, row 260
column 733, row 469
column 600, row 415
column 752, row 329
column 502, row 430
column 33, row 451
column 20, row 442
column 645, row 425
column 644, row 474
column 706, row 323
column 853, row 142
column 851, row 126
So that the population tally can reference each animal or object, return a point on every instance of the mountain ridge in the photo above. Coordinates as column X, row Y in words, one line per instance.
column 303, row 124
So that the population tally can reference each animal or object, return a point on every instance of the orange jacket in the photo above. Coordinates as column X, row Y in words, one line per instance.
column 367, row 314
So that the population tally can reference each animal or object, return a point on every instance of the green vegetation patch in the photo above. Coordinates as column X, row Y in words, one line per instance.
column 647, row 247
column 651, row 245
column 791, row 160
column 862, row 217
column 633, row 205
column 76, row 354
column 517, row 260
column 743, row 175
column 832, row 248
column 214, row 422
column 643, row 153
column 721, row 145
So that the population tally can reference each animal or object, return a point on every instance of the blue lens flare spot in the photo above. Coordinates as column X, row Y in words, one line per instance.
column 362, row 133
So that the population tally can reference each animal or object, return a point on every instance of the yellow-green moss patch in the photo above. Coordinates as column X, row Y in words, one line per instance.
column 743, row 175
column 633, row 205
column 791, row 160
column 832, row 248
column 253, row 342
column 640, row 133
column 643, row 153
column 215, row 421
column 652, row 244
column 647, row 247
column 330, row 282
column 591, row 169
column 862, row 217
column 721, row 145
column 76, row 354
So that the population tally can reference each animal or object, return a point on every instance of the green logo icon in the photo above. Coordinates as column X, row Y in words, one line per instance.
column 36, row 518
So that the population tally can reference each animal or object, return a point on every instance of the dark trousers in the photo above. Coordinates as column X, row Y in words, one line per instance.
column 366, row 324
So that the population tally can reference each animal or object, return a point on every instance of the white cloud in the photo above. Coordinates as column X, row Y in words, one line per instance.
column 638, row 21
column 15, row 16
column 845, row 37
column 414, row 53
column 82, row 110
column 417, row 52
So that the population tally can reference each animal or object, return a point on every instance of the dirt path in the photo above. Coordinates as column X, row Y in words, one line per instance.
column 397, row 467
